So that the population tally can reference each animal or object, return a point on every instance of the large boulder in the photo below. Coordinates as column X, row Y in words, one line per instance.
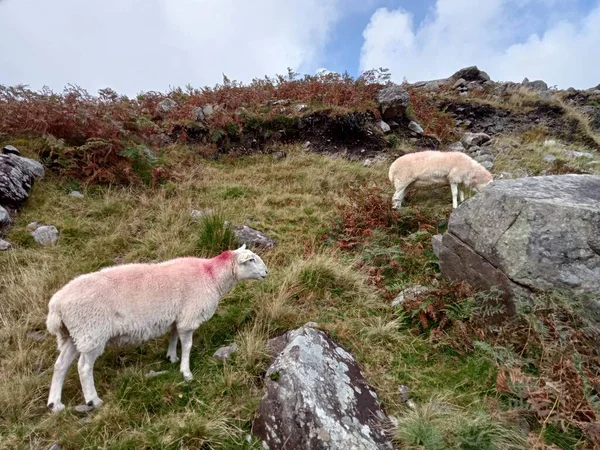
column 17, row 175
column 525, row 235
column 393, row 101
column 253, row 238
column 317, row 398
column 5, row 220
column 471, row 73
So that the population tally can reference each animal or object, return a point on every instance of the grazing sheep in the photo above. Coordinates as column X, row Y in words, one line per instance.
column 434, row 168
column 133, row 303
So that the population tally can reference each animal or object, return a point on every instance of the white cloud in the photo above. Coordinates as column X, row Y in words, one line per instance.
column 468, row 32
column 135, row 45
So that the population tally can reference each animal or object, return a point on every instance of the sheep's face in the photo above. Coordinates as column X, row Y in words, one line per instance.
column 481, row 180
column 249, row 265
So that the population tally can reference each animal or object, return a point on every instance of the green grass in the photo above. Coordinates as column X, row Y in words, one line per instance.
column 293, row 200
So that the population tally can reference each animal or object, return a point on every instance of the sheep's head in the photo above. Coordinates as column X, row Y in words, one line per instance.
column 481, row 178
column 249, row 265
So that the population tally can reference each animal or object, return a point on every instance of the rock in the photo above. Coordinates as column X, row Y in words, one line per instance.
column 10, row 150
column 45, row 235
column 368, row 162
column 474, row 150
column 253, row 238
column 317, row 398
column 166, row 105
column 414, row 126
column 549, row 158
column 412, row 293
column 17, row 175
column 197, row 215
column 481, row 158
column 54, row 447
column 545, row 95
column 198, row 114
column 149, row 155
column 436, row 244
column 461, row 82
column 300, row 108
column 224, row 353
column 526, row 234
column 472, row 85
column 153, row 374
column 306, row 145
column 83, row 409
column 488, row 165
column 279, row 156
column 76, row 194
column 456, row 147
column 5, row 220
column 574, row 154
column 33, row 226
column 471, row 73
column 383, row 126
column 36, row 335
column 4, row 245
column 464, row 94
column 393, row 101
column 404, row 393
column 537, row 85
column 208, row 110
column 471, row 139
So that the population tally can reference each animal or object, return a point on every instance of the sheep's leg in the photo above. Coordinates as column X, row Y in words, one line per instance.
column 68, row 353
column 461, row 194
column 172, row 351
column 186, row 347
column 398, row 197
column 454, row 189
column 85, row 366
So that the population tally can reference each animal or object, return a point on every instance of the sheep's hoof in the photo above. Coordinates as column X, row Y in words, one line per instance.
column 96, row 403
column 56, row 407
column 172, row 359
column 188, row 376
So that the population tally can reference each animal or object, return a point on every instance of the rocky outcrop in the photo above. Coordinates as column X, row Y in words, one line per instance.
column 253, row 238
column 17, row 175
column 393, row 101
column 525, row 235
column 317, row 398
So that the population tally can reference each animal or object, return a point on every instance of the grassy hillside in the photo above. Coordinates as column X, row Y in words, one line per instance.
column 342, row 256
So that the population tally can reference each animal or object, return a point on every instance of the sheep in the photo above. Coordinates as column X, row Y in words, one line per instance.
column 435, row 168
column 132, row 303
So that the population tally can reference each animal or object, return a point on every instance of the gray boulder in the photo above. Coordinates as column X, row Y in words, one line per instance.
column 10, row 150
column 224, row 353
column 17, row 175
column 536, row 85
column 471, row 139
column 198, row 114
column 5, row 220
column 384, row 126
column 45, row 235
column 393, row 101
column 166, row 105
column 414, row 126
column 253, row 238
column 471, row 73
column 4, row 245
column 317, row 398
column 526, row 234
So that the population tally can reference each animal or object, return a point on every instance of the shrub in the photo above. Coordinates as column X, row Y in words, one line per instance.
column 215, row 236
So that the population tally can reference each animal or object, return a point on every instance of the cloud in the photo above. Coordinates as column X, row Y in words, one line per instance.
column 500, row 36
column 135, row 45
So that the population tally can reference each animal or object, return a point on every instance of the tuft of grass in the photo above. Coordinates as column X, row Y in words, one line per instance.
column 215, row 236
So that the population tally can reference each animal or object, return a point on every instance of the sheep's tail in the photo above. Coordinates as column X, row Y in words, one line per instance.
column 55, row 325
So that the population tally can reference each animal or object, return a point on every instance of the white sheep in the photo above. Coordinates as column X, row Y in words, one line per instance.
column 435, row 168
column 133, row 303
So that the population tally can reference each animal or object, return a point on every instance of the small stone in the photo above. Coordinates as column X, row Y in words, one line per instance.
column 471, row 139
column 45, row 235
column 279, row 156
column 208, row 110
column 404, row 392
column 253, row 238
column 76, row 194
column 306, row 145
column 166, row 105
column 10, row 150
column 54, row 447
column 489, row 165
column 384, row 126
column 197, row 215
column 411, row 293
column 549, row 158
column 153, row 374
column 300, row 108
column 459, row 83
column 4, row 245
column 311, row 325
column 224, row 353
column 414, row 126
column 368, row 162
column 456, row 147
column 574, row 154
column 483, row 158
column 33, row 226
column 36, row 335
column 83, row 409
column 464, row 94
column 198, row 114
column 5, row 220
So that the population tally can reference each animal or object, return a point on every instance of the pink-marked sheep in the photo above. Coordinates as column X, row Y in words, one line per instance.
column 435, row 168
column 133, row 303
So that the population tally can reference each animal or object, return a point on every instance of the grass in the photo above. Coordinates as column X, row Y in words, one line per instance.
column 306, row 202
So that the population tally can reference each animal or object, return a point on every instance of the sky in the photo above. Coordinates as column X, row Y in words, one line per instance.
column 153, row 45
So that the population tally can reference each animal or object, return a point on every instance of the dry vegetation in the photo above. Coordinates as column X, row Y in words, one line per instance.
column 342, row 256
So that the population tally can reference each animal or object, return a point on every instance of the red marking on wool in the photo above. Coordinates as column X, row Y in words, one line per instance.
column 216, row 264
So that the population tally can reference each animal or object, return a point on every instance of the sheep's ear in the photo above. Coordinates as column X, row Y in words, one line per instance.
column 243, row 247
